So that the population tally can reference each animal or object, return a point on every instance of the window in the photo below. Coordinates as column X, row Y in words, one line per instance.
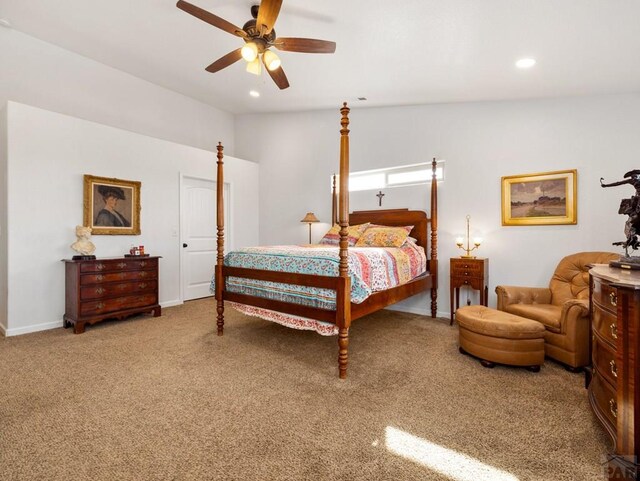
column 366, row 181
column 414, row 174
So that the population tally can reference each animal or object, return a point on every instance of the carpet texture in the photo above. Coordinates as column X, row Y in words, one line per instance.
column 166, row 399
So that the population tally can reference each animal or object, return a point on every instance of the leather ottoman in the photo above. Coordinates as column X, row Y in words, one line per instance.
column 499, row 337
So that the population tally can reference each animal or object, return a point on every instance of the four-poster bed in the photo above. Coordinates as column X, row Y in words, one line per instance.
column 342, row 310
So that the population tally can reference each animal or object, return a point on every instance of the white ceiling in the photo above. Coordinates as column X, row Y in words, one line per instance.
column 392, row 52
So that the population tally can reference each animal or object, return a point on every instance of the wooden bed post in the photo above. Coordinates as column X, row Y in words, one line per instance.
column 220, row 257
column 433, row 262
column 334, row 202
column 343, row 293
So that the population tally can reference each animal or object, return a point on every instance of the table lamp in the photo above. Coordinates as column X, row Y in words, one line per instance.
column 460, row 243
column 310, row 218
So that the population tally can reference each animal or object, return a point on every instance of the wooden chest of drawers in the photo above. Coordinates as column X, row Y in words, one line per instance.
column 614, row 390
column 109, row 289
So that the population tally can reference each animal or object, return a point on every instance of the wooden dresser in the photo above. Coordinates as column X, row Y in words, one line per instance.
column 614, row 390
column 109, row 289
column 473, row 273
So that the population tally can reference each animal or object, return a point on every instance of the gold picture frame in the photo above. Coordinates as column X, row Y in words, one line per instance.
column 111, row 206
column 546, row 198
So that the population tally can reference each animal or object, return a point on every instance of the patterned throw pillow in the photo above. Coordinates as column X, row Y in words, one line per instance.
column 384, row 236
column 353, row 234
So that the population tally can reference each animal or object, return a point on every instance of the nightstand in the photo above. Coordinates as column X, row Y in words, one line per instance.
column 473, row 273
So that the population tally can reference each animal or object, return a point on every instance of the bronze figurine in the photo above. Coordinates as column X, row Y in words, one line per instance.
column 631, row 208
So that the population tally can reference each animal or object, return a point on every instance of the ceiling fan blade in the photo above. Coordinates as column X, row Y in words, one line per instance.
column 305, row 45
column 223, row 62
column 210, row 18
column 278, row 77
column 267, row 15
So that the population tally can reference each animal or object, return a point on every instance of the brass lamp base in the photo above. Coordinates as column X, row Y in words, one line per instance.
column 469, row 249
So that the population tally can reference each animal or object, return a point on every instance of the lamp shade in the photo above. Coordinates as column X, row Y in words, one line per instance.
column 310, row 217
column 249, row 52
column 254, row 66
column 271, row 60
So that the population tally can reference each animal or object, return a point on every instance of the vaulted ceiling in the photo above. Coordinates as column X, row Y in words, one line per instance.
column 391, row 52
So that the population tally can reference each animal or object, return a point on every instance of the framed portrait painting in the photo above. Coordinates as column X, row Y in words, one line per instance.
column 547, row 198
column 111, row 206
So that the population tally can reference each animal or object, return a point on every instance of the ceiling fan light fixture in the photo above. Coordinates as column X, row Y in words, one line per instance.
column 271, row 60
column 258, row 35
column 254, row 67
column 249, row 51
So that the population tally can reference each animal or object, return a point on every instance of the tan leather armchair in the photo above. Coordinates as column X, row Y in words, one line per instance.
column 563, row 307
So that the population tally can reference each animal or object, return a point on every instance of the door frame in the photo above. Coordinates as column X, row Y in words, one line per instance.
column 228, row 222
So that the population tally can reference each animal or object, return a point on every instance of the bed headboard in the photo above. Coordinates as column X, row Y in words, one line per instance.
column 396, row 217
column 425, row 228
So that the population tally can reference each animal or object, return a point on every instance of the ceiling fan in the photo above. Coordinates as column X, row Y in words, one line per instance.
column 259, row 37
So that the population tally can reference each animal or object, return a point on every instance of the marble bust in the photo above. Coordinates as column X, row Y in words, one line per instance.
column 83, row 245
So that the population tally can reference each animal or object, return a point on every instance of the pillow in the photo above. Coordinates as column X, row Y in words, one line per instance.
column 384, row 236
column 332, row 237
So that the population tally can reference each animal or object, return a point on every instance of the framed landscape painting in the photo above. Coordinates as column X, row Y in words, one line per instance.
column 547, row 198
column 111, row 206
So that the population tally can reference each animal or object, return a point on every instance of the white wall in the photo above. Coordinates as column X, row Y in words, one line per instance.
column 38, row 73
column 481, row 142
column 48, row 155
column 3, row 220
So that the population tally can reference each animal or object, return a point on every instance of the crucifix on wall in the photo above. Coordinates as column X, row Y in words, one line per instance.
column 380, row 195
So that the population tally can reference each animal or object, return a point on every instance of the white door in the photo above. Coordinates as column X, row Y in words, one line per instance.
column 199, row 231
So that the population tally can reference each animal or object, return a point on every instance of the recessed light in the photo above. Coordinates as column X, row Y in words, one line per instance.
column 254, row 93
column 526, row 62
column 5, row 23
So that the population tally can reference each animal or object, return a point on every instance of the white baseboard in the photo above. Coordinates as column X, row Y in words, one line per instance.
column 55, row 324
column 176, row 302
column 420, row 312
column 17, row 331
column 410, row 310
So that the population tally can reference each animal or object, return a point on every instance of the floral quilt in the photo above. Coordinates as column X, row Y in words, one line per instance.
column 371, row 269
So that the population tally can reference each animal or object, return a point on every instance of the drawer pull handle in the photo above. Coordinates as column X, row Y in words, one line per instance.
column 614, row 368
column 99, row 267
column 465, row 266
column 613, row 407
column 614, row 330
column 122, row 265
column 142, row 274
column 143, row 263
column 99, row 290
column 99, row 277
column 99, row 305
column 613, row 298
column 142, row 285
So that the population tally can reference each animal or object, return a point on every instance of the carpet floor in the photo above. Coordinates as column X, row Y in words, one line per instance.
column 166, row 399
